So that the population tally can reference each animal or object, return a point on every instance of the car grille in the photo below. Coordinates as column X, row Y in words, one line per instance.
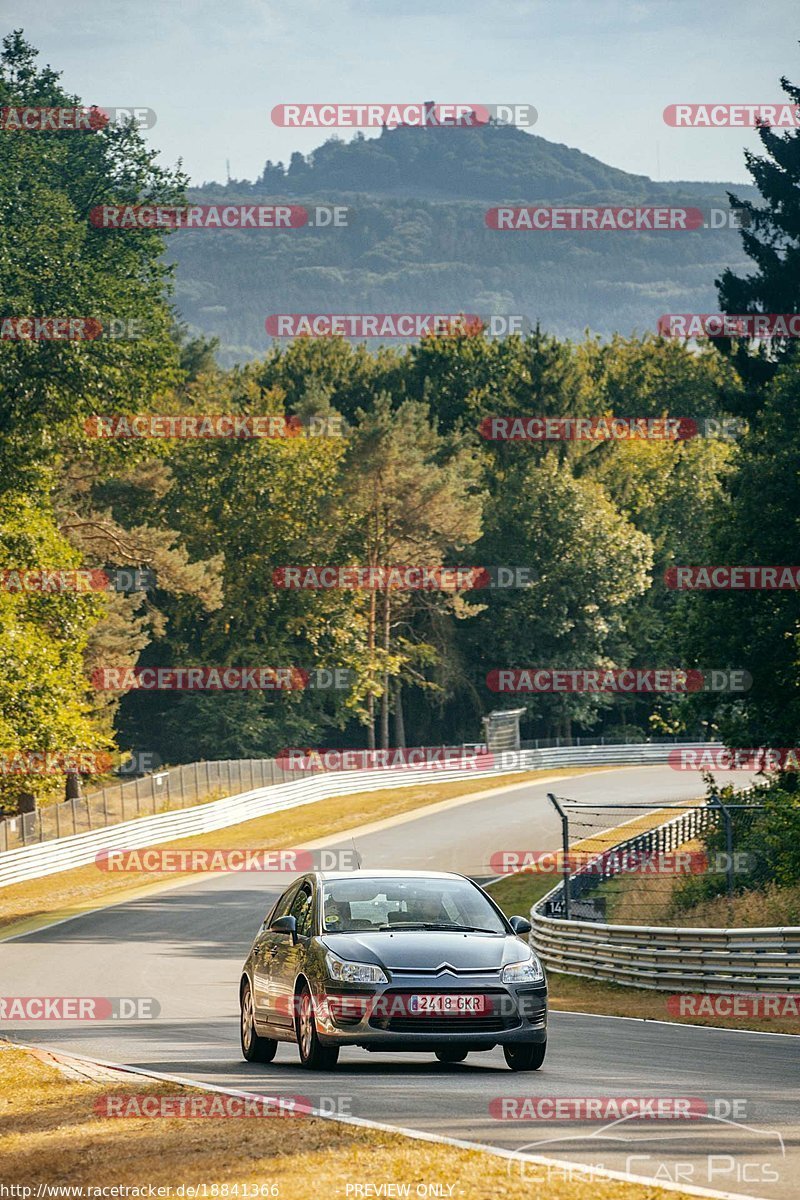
column 433, row 972
column 426, row 1024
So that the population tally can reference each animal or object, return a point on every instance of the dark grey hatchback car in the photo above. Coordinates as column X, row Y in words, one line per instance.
column 392, row 960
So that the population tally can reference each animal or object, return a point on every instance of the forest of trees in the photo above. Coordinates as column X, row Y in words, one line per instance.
column 410, row 481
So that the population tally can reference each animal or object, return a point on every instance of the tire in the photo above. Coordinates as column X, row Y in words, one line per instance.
column 451, row 1055
column 313, row 1055
column 525, row 1056
column 254, row 1048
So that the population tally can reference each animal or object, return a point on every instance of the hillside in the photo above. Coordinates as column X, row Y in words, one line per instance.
column 416, row 240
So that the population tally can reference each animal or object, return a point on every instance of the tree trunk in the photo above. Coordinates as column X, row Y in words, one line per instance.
column 387, row 634
column 399, row 722
column 371, row 661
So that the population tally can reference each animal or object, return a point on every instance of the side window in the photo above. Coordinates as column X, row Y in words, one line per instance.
column 281, row 908
column 300, row 909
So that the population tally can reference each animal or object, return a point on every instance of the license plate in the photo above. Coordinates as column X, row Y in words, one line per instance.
column 444, row 1004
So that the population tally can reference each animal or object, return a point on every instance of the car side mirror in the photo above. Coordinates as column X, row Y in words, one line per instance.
column 520, row 925
column 287, row 925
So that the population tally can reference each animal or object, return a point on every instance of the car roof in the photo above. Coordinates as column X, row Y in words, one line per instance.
column 324, row 876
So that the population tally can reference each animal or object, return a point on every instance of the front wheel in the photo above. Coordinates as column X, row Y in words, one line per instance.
column 454, row 1055
column 525, row 1056
column 313, row 1055
column 254, row 1048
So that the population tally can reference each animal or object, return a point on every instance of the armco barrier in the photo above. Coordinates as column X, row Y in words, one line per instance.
column 142, row 796
column 661, row 958
column 173, row 787
column 60, row 854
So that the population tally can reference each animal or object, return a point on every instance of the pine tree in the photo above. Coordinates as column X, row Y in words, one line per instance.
column 771, row 238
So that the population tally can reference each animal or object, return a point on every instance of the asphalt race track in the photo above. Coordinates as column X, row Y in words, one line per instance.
column 185, row 946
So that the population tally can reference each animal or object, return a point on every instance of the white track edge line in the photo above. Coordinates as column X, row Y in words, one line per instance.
column 577, row 1012
column 414, row 1134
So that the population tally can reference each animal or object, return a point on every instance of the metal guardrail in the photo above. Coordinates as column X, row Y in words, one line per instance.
column 663, row 958
column 178, row 787
column 172, row 787
column 61, row 854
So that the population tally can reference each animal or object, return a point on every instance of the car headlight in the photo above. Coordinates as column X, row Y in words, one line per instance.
column 353, row 972
column 528, row 971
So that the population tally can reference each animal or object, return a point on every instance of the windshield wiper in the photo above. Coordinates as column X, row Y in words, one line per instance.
column 460, row 928
column 438, row 925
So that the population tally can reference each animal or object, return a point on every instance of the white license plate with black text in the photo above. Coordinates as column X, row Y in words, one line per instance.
column 442, row 1005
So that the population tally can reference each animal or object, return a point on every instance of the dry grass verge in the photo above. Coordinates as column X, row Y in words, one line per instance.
column 635, row 900
column 51, row 1135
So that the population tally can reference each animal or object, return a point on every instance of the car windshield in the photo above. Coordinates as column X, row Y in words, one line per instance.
column 350, row 905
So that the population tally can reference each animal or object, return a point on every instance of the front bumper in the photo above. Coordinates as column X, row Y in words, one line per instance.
column 379, row 1016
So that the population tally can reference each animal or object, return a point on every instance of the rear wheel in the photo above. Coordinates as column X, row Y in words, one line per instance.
column 313, row 1055
column 451, row 1054
column 525, row 1056
column 254, row 1048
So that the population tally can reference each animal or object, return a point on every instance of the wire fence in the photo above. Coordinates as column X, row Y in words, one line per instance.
column 631, row 739
column 59, row 854
column 178, row 787
column 194, row 783
column 654, row 867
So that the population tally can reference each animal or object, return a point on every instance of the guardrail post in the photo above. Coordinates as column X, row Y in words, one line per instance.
column 565, row 850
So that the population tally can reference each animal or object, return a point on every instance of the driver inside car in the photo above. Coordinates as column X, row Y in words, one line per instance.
column 430, row 910
column 337, row 915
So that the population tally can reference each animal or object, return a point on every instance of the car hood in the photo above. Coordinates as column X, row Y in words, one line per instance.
column 427, row 950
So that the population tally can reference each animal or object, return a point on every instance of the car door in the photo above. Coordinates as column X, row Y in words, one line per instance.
column 267, row 946
column 286, row 958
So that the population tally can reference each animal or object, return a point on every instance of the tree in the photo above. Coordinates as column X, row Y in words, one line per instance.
column 758, row 630
column 247, row 506
column 771, row 238
column 413, row 498
column 589, row 564
column 54, row 263
column 44, row 701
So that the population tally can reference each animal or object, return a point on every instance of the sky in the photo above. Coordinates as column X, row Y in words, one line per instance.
column 599, row 72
